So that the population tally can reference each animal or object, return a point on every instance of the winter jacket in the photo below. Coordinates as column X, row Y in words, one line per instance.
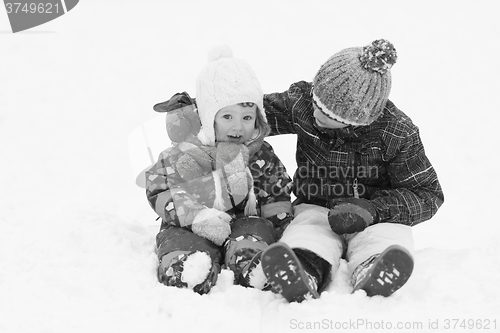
column 177, row 196
column 384, row 162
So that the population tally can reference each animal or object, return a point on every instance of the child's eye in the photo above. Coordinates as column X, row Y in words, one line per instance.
column 226, row 116
column 248, row 117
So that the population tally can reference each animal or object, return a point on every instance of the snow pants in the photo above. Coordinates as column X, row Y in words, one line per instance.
column 311, row 231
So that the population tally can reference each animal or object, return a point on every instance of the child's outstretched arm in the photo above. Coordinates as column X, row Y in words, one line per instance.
column 170, row 180
column 283, row 110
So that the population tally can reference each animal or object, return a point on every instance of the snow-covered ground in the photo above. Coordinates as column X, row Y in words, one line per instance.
column 77, row 235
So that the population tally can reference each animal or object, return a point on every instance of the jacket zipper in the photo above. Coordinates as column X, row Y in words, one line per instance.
column 355, row 188
column 355, row 181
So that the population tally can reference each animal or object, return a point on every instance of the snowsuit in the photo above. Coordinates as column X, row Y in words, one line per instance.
column 184, row 181
column 383, row 162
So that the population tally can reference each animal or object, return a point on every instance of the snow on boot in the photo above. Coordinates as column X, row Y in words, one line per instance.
column 193, row 270
column 286, row 274
column 240, row 251
column 384, row 273
column 253, row 276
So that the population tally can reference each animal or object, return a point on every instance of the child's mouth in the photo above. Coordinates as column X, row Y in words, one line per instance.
column 234, row 137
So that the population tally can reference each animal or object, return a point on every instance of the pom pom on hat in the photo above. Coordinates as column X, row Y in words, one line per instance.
column 353, row 86
column 219, row 52
column 379, row 56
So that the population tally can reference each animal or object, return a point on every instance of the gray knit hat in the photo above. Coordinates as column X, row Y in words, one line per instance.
column 354, row 84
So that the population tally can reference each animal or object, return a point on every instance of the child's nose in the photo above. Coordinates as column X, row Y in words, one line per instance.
column 237, row 124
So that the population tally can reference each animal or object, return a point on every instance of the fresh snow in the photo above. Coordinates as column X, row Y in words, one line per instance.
column 196, row 268
column 77, row 235
column 257, row 278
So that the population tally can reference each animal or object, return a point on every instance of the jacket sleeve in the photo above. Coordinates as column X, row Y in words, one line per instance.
column 416, row 194
column 281, row 107
column 273, row 186
column 170, row 195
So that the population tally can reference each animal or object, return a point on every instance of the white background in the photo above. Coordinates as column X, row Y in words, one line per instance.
column 77, row 235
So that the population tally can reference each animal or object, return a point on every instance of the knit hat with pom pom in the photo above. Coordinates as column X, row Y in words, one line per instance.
column 223, row 82
column 353, row 86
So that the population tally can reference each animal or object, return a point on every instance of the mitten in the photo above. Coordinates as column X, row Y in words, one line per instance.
column 182, row 120
column 212, row 224
column 175, row 102
column 350, row 215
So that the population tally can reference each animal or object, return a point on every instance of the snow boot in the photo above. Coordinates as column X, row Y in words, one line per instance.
column 384, row 273
column 286, row 274
column 240, row 252
column 249, row 236
column 171, row 269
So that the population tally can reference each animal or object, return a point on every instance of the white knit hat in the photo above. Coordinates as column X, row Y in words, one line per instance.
column 223, row 82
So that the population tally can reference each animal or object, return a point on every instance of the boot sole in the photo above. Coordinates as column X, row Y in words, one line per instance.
column 285, row 273
column 390, row 271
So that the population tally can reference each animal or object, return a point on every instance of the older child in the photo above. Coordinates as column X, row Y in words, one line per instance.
column 362, row 181
column 220, row 190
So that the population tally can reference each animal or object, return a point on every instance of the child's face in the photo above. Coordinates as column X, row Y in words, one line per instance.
column 324, row 121
column 235, row 123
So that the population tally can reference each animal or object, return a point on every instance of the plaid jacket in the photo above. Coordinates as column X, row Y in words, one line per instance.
column 384, row 162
